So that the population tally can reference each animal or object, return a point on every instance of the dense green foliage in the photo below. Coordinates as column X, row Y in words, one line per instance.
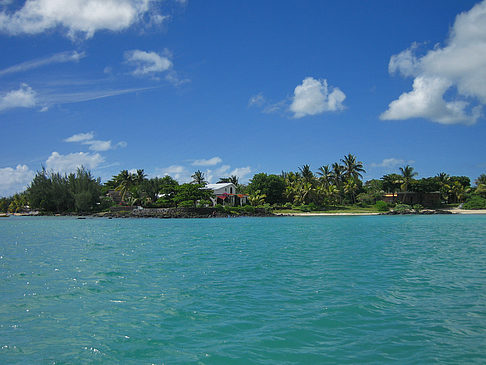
column 56, row 193
column 475, row 202
column 332, row 186
column 272, row 186
column 381, row 206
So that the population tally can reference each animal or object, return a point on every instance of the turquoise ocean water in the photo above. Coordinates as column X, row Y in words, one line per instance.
column 293, row 290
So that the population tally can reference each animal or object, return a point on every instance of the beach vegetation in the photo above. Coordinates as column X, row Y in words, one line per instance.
column 402, row 208
column 52, row 192
column 475, row 202
column 272, row 186
column 334, row 187
column 381, row 206
column 408, row 174
column 257, row 198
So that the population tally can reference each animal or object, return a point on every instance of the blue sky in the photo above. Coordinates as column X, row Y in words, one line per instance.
column 241, row 87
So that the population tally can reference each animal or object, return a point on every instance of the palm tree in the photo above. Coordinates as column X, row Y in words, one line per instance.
column 481, row 180
column 198, row 178
column 304, row 193
column 350, row 188
column 232, row 179
column 352, row 168
column 444, row 179
column 306, row 173
column 125, row 182
column 337, row 176
column 257, row 198
column 325, row 174
column 407, row 176
column 139, row 177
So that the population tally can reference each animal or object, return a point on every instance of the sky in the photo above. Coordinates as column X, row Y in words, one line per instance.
column 240, row 87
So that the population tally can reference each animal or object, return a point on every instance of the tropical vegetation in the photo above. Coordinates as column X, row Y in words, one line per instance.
column 334, row 186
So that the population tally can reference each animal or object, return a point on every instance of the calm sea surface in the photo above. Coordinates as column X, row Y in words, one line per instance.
column 306, row 290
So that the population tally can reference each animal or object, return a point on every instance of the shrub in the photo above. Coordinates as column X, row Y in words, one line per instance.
column 418, row 207
column 249, row 209
column 288, row 205
column 475, row 202
column 186, row 204
column 204, row 203
column 381, row 206
column 219, row 207
column 402, row 208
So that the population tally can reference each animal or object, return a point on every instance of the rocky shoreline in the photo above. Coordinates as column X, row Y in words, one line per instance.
column 421, row 212
column 181, row 213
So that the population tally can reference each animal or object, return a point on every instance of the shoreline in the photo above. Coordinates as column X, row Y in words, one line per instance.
column 327, row 214
column 186, row 214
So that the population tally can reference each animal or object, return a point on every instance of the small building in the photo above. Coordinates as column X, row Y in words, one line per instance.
column 225, row 194
column 430, row 199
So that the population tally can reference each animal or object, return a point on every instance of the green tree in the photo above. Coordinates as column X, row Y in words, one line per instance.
column 256, row 198
column 198, row 178
column 325, row 174
column 391, row 183
column 481, row 180
column 350, row 188
column 408, row 174
column 191, row 193
column 233, row 179
column 125, row 181
column 352, row 167
column 307, row 174
column 273, row 186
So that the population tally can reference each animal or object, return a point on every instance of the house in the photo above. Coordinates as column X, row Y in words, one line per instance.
column 225, row 194
column 429, row 199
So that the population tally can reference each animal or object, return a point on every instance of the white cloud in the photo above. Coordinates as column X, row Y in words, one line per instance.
column 405, row 62
column 183, row 174
column 61, row 57
column 213, row 175
column 80, row 137
column 391, row 162
column 457, row 69
column 94, row 144
column 178, row 172
column 257, row 100
column 24, row 97
column 77, row 16
column 312, row 97
column 147, row 62
column 241, row 172
column 209, row 162
column 426, row 101
column 14, row 180
column 72, row 161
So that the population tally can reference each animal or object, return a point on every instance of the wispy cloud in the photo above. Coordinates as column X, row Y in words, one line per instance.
column 391, row 163
column 94, row 144
column 209, row 162
column 61, row 57
column 147, row 63
column 81, row 96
